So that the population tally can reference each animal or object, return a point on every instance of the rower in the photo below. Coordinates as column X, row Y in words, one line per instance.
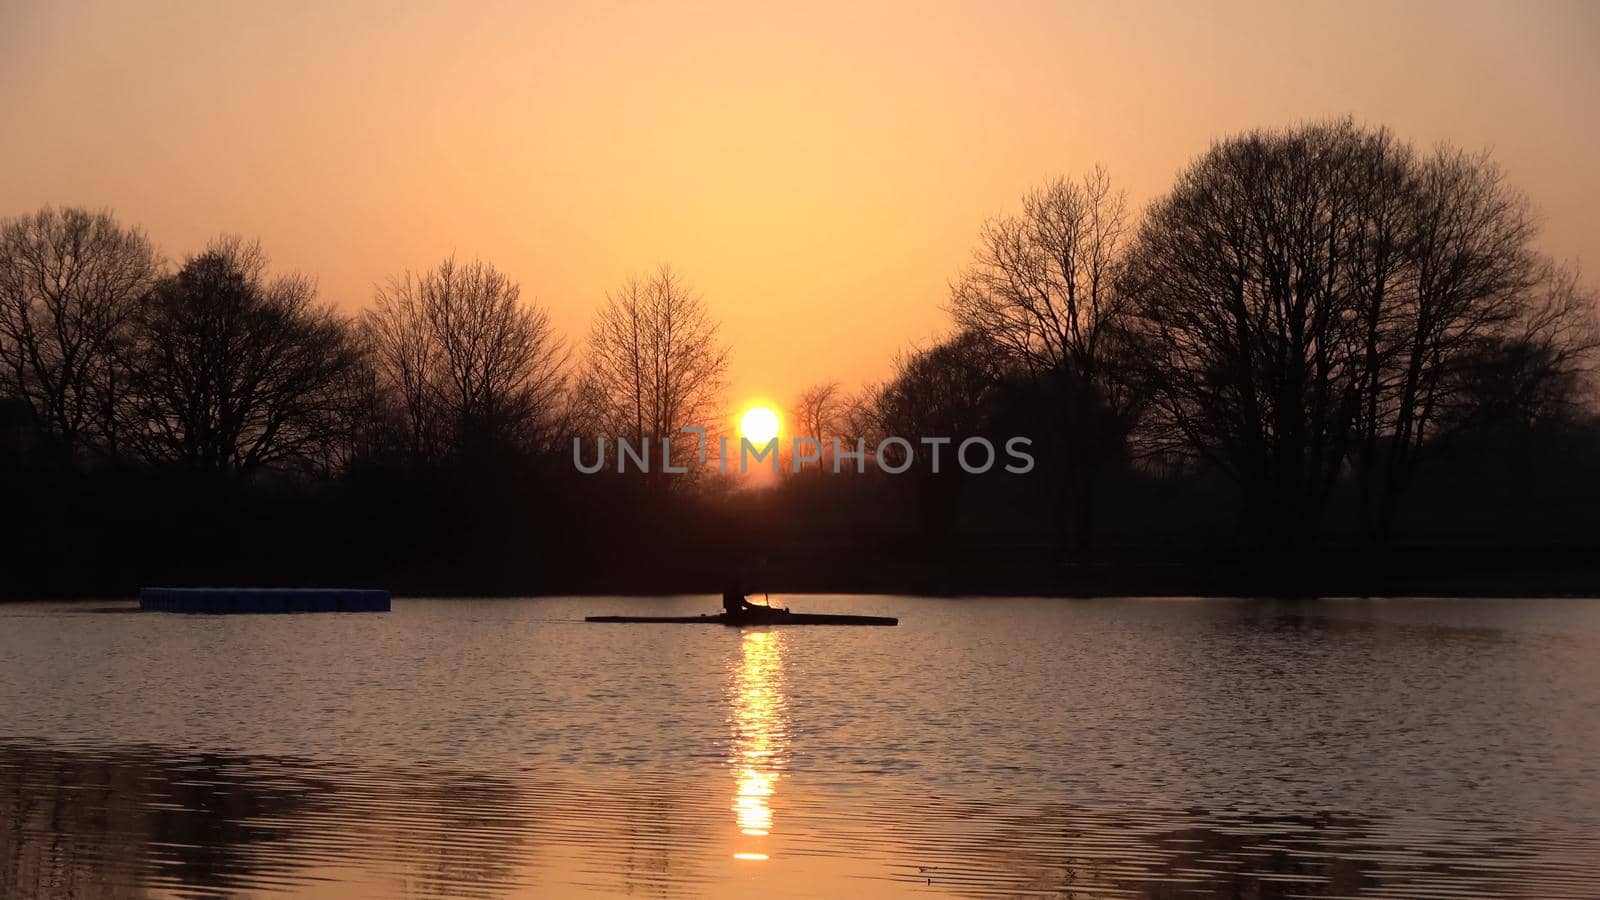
column 734, row 602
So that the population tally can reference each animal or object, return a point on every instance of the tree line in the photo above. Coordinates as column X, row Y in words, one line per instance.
column 222, row 367
column 1311, row 315
column 1307, row 310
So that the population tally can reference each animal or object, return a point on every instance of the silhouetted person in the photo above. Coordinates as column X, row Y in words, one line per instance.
column 734, row 602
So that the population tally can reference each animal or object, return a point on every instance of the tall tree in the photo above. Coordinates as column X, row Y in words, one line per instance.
column 818, row 414
column 1042, row 290
column 1469, row 275
column 69, row 281
column 1530, row 378
column 236, row 371
column 1304, row 297
column 949, row 391
column 475, row 368
column 1244, row 282
column 656, row 363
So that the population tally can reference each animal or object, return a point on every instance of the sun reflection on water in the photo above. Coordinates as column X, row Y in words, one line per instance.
column 759, row 738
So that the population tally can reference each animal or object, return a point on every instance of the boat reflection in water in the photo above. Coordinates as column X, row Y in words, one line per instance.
column 759, row 721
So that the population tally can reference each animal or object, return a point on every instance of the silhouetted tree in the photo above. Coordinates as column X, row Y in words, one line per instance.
column 1243, row 279
column 1468, row 275
column 369, row 426
column 946, row 391
column 69, row 281
column 1304, row 298
column 474, row 368
column 1042, row 292
column 656, row 364
column 235, row 371
column 1535, row 370
column 818, row 414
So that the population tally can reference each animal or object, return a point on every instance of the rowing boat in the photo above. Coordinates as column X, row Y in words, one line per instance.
column 776, row 617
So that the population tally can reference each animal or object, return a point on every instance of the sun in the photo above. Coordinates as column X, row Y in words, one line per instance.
column 759, row 424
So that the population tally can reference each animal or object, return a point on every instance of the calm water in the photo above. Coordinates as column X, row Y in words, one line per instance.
column 1111, row 748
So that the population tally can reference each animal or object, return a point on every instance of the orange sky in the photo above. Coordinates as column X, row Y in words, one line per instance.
column 818, row 171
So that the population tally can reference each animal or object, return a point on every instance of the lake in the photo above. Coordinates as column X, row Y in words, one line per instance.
column 1153, row 748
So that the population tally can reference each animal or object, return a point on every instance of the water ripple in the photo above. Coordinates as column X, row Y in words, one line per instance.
column 1154, row 749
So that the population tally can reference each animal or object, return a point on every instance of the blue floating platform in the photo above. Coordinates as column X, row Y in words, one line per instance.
column 262, row 600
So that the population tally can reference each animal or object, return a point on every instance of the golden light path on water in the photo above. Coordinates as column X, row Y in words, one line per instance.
column 760, row 737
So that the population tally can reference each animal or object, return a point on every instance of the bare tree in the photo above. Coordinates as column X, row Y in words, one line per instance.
column 946, row 390
column 1042, row 290
column 236, row 371
column 1469, row 275
column 950, row 390
column 473, row 367
column 400, row 340
column 69, row 281
column 1244, row 279
column 1304, row 297
column 368, row 425
column 818, row 414
column 861, row 415
column 656, row 362
column 1383, row 179
column 1536, row 369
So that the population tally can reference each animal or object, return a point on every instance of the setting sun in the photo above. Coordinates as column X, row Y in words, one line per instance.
column 759, row 424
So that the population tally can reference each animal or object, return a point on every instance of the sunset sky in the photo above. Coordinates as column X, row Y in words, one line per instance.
column 818, row 171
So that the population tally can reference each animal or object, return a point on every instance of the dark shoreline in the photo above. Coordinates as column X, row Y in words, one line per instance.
column 1418, row 571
